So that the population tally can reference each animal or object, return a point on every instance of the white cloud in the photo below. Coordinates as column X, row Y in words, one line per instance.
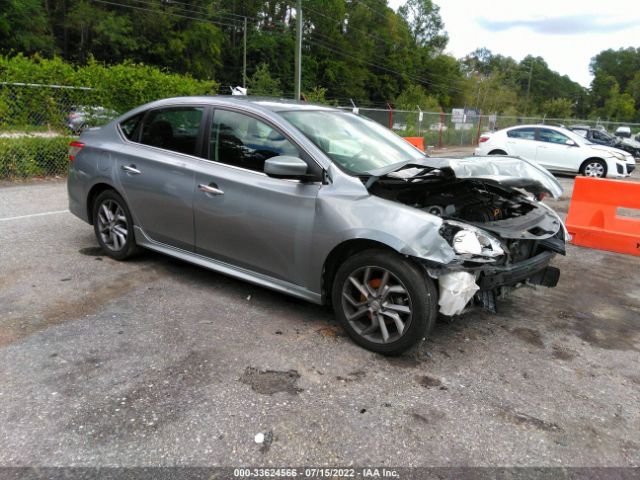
column 566, row 34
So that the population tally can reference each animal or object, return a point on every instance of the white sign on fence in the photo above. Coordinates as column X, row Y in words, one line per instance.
column 457, row 115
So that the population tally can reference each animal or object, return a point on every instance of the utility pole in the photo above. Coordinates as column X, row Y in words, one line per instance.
column 298, row 52
column 526, row 105
column 244, row 56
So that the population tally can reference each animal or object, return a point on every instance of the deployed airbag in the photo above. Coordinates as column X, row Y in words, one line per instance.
column 456, row 289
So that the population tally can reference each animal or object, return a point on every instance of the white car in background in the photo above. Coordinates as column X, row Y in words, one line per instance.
column 557, row 149
column 623, row 132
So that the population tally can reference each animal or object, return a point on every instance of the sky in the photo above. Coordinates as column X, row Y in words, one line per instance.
column 566, row 33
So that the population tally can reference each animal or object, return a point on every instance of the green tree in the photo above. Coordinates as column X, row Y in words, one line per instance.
column 261, row 83
column 318, row 95
column 24, row 28
column 360, row 50
column 427, row 27
column 414, row 97
column 557, row 108
column 619, row 107
column 621, row 64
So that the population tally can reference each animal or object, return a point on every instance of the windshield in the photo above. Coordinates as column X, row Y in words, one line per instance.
column 355, row 143
column 580, row 140
column 600, row 135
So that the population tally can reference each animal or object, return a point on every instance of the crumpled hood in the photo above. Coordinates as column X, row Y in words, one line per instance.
column 630, row 142
column 610, row 150
column 513, row 172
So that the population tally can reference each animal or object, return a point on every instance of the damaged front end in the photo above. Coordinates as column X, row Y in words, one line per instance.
column 501, row 234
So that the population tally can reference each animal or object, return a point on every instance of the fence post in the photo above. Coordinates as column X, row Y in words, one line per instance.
column 390, row 117
column 478, row 133
column 354, row 109
column 440, row 128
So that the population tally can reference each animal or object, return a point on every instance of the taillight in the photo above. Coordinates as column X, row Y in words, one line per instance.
column 484, row 138
column 74, row 149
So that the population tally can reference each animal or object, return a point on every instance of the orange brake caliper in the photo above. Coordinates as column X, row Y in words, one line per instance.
column 373, row 283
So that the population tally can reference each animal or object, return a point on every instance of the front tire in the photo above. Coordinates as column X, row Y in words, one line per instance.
column 113, row 226
column 385, row 303
column 594, row 167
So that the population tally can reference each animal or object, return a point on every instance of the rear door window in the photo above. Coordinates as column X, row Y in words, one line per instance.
column 173, row 128
column 523, row 133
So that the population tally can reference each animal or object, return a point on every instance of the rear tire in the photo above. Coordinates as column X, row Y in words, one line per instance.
column 113, row 226
column 497, row 152
column 594, row 167
column 385, row 303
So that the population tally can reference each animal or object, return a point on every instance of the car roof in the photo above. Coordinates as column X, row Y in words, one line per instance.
column 269, row 103
column 278, row 104
column 261, row 105
column 535, row 125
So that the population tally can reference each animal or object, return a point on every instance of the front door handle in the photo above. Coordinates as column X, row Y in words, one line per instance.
column 131, row 169
column 210, row 189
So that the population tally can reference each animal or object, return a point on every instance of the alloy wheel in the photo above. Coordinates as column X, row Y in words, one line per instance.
column 594, row 169
column 376, row 304
column 112, row 225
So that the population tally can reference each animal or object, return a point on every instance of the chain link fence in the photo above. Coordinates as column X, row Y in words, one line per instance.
column 441, row 129
column 38, row 121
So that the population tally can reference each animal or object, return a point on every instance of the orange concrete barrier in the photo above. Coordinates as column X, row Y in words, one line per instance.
column 417, row 142
column 593, row 220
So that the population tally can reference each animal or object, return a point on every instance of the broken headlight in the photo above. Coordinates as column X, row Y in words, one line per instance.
column 471, row 243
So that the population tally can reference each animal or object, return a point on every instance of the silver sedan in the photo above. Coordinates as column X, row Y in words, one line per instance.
column 320, row 204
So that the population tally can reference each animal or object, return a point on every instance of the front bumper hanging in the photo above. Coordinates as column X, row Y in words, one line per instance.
column 534, row 270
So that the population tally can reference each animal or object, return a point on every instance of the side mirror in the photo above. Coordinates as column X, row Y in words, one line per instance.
column 571, row 143
column 285, row 166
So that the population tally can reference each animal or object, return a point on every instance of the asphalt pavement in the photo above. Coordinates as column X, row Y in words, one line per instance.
column 154, row 362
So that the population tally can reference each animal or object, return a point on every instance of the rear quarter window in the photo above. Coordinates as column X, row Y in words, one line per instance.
column 130, row 126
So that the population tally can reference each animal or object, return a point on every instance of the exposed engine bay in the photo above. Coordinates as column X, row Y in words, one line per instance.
column 507, row 210
column 466, row 200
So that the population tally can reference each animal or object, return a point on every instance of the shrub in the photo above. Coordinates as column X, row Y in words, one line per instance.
column 116, row 87
column 22, row 157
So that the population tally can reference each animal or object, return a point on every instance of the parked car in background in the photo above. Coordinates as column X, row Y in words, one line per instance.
column 624, row 132
column 602, row 137
column 557, row 149
column 81, row 117
column 321, row 204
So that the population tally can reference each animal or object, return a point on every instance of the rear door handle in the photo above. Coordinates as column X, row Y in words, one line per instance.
column 131, row 169
column 210, row 189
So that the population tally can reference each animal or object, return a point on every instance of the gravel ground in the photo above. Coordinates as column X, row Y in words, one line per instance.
column 157, row 362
